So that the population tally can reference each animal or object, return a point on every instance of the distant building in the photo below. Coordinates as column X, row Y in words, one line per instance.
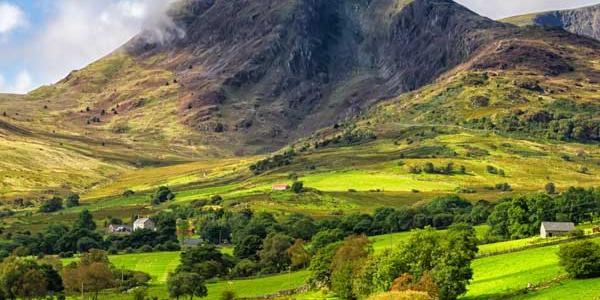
column 550, row 229
column 119, row 229
column 143, row 223
column 281, row 187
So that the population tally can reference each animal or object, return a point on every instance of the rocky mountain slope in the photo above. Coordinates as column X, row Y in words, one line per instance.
column 274, row 72
column 279, row 71
column 582, row 21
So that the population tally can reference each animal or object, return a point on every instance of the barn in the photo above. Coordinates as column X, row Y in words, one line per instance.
column 550, row 229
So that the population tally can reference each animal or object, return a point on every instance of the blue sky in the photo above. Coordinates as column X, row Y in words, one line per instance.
column 41, row 41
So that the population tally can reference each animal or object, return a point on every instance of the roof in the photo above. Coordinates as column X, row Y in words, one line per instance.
column 281, row 185
column 192, row 242
column 141, row 221
column 558, row 226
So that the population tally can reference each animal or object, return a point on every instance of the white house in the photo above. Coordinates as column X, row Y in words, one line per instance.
column 143, row 223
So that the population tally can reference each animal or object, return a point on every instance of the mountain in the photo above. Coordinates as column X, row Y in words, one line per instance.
column 274, row 72
column 582, row 21
column 309, row 73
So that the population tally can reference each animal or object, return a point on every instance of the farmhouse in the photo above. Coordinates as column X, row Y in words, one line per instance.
column 143, row 223
column 550, row 229
column 281, row 187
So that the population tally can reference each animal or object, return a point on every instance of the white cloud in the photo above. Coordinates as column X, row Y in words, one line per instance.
column 22, row 83
column 80, row 32
column 497, row 9
column 11, row 17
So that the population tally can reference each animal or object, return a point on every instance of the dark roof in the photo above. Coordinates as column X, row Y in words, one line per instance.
column 558, row 226
column 191, row 242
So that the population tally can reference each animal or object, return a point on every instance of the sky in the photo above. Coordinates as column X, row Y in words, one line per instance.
column 41, row 41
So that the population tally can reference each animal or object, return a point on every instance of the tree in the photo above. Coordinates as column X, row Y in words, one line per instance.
column 452, row 271
column 25, row 278
column 248, row 247
column 347, row 261
column 85, row 221
column 320, row 265
column 297, row 187
column 325, row 237
column 580, row 259
column 162, row 194
column 205, row 261
column 73, row 200
column 299, row 257
column 186, row 284
column 550, row 188
column 273, row 255
column 85, row 278
column 52, row 205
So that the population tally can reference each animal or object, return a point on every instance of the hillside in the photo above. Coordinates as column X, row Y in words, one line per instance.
column 276, row 71
column 583, row 21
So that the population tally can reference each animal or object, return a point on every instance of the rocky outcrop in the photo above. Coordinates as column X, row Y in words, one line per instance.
column 272, row 70
column 583, row 21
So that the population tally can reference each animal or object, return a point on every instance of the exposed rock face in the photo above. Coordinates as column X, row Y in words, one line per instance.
column 270, row 71
column 582, row 21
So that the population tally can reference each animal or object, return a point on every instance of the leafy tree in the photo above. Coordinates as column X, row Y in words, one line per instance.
column 299, row 226
column 326, row 237
column 348, row 259
column 580, row 259
column 244, row 268
column 453, row 272
column 162, row 194
column 215, row 231
column 52, row 205
column 186, row 284
column 297, row 187
column 248, row 247
column 300, row 258
column 84, row 278
column 273, row 256
column 85, row 221
column 206, row 261
column 25, row 278
column 166, row 227
column 498, row 220
column 73, row 200
column 320, row 265
column 550, row 188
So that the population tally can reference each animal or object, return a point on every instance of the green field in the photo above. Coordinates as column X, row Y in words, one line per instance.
column 503, row 274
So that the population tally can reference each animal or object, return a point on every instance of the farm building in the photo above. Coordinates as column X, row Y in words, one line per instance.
column 190, row 243
column 119, row 228
column 281, row 187
column 143, row 223
column 550, row 229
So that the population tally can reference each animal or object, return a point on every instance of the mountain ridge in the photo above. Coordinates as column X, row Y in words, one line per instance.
column 582, row 21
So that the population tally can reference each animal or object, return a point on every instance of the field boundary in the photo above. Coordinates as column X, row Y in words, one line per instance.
column 540, row 245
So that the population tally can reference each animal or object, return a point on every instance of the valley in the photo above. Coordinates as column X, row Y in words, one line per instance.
column 311, row 149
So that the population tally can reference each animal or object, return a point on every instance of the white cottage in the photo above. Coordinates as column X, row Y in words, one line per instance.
column 143, row 223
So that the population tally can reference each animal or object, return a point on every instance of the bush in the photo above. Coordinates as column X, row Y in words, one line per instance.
column 128, row 193
column 145, row 248
column 228, row 295
column 550, row 188
column 52, row 205
column 297, row 187
column 66, row 254
column 73, row 200
column 244, row 268
column 580, row 259
column 162, row 194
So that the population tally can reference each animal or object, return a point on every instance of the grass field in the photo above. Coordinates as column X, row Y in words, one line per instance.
column 503, row 274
